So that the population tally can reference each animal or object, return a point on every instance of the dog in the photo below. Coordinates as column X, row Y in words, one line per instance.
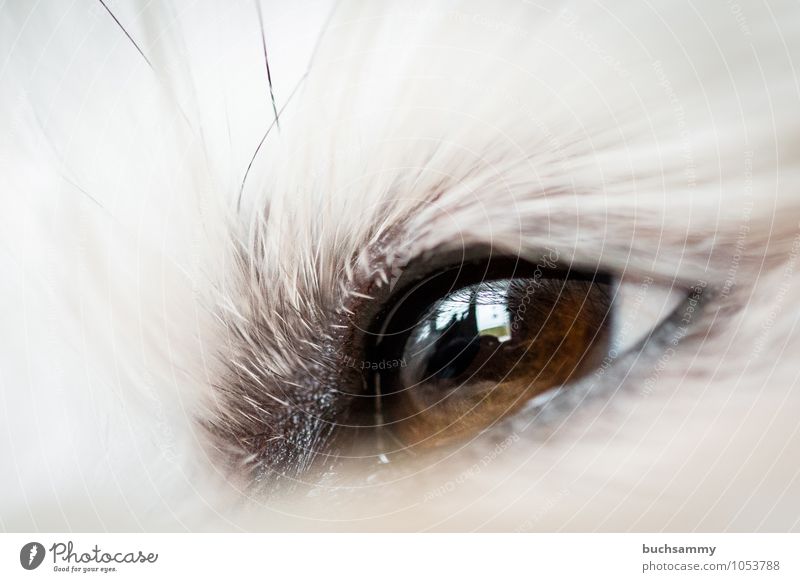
column 213, row 213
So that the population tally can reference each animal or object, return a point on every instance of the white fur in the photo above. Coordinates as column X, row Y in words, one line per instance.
column 653, row 139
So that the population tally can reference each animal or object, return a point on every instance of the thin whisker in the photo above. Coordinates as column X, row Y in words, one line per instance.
column 130, row 38
column 266, row 62
column 325, row 27
column 264, row 138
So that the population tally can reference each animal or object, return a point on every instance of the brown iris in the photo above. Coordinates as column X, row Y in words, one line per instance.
column 478, row 351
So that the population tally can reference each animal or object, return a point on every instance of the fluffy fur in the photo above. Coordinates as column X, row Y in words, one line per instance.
column 178, row 289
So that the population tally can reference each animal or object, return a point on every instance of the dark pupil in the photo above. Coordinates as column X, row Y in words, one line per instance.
column 459, row 331
column 455, row 351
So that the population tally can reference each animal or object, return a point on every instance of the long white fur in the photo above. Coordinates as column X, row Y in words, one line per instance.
column 655, row 139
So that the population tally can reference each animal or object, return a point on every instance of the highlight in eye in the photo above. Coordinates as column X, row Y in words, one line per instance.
column 474, row 352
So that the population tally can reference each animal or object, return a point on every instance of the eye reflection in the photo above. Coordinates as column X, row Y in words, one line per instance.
column 450, row 336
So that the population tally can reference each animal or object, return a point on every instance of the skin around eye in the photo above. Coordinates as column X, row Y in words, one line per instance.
column 483, row 350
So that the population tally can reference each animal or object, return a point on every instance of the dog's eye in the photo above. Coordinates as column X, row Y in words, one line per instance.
column 464, row 347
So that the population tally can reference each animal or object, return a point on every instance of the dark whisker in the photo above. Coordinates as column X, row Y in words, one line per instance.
column 325, row 27
column 266, row 62
column 264, row 138
column 130, row 38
